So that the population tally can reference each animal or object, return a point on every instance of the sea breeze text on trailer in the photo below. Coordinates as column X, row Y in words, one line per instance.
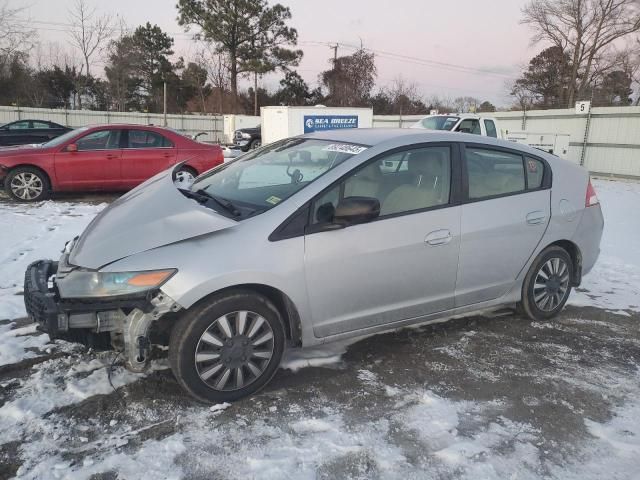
column 329, row 122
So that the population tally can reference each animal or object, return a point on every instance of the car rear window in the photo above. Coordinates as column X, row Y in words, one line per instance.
column 535, row 173
column 147, row 139
column 493, row 173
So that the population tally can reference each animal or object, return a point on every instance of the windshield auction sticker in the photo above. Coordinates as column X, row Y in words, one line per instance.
column 273, row 200
column 345, row 148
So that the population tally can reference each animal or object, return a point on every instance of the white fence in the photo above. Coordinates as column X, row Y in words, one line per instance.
column 212, row 125
column 606, row 142
column 395, row 121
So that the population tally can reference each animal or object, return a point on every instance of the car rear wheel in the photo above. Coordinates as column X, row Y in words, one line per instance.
column 27, row 184
column 547, row 286
column 227, row 348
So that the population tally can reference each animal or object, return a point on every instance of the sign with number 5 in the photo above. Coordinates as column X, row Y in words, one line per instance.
column 582, row 108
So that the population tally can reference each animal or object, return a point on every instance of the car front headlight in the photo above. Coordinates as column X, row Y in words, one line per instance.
column 246, row 136
column 80, row 284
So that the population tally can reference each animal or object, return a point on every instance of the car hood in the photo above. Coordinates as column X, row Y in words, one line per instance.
column 21, row 149
column 152, row 215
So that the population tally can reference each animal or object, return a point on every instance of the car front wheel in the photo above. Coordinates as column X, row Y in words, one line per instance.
column 547, row 286
column 227, row 348
column 27, row 184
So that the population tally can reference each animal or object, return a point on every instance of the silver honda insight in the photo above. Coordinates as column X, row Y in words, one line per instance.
column 316, row 238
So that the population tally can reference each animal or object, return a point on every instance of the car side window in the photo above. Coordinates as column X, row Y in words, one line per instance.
column 470, row 125
column 40, row 125
column 147, row 139
column 535, row 173
column 492, row 173
column 490, row 127
column 99, row 140
column 416, row 180
column 19, row 125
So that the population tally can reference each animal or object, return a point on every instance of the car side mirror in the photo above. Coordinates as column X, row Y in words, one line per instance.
column 355, row 210
column 72, row 147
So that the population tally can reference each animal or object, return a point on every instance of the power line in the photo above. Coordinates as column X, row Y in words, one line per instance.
column 417, row 60
column 333, row 45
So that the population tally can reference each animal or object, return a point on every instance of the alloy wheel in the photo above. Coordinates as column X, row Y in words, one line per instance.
column 551, row 284
column 234, row 351
column 26, row 186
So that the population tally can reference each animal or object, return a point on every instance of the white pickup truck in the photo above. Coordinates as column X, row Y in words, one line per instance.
column 461, row 122
column 555, row 143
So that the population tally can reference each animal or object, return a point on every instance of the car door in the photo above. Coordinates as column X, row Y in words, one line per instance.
column 145, row 154
column 470, row 125
column 504, row 218
column 401, row 265
column 42, row 132
column 17, row 133
column 94, row 165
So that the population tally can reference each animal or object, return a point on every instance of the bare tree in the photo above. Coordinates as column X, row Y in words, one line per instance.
column 15, row 35
column 587, row 28
column 466, row 104
column 90, row 32
column 523, row 95
column 219, row 74
column 403, row 93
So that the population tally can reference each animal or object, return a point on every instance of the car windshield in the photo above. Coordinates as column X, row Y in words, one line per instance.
column 440, row 122
column 63, row 138
column 262, row 179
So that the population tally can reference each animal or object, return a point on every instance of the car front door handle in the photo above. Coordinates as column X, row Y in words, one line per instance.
column 536, row 218
column 438, row 237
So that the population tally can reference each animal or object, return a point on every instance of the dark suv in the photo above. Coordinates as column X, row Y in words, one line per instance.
column 248, row 138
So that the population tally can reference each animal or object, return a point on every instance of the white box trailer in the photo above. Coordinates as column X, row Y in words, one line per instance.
column 555, row 143
column 236, row 122
column 284, row 122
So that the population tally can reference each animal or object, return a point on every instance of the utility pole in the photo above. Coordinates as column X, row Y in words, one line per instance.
column 255, row 93
column 335, row 52
column 165, row 104
column 587, row 127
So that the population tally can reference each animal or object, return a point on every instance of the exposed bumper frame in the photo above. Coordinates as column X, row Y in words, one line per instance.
column 122, row 323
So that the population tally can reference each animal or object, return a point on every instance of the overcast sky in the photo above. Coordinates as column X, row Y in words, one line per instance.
column 485, row 38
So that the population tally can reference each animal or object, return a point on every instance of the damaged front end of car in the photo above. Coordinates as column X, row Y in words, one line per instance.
column 101, row 310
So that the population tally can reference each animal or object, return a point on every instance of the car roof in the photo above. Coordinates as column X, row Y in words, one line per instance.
column 369, row 136
column 31, row 120
column 409, row 136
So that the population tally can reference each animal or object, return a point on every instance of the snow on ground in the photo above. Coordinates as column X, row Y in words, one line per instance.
column 33, row 232
column 61, row 418
column 614, row 283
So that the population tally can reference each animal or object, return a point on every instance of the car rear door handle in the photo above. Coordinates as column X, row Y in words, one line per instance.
column 438, row 237
column 111, row 155
column 536, row 218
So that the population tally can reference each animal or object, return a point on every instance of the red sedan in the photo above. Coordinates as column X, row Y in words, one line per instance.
column 105, row 157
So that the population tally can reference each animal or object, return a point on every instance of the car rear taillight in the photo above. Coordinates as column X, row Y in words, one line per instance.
column 592, row 197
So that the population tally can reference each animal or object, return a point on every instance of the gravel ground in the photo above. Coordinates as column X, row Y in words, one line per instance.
column 475, row 398
column 523, row 396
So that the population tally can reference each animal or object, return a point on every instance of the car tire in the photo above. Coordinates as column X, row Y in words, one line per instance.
column 34, row 182
column 255, row 144
column 547, row 286
column 218, row 352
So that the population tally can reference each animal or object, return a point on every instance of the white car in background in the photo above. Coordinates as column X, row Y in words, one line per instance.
column 461, row 122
